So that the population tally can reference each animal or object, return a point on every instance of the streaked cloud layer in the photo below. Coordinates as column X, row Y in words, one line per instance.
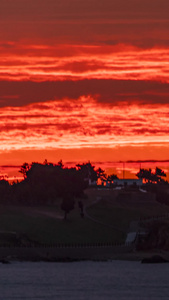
column 82, row 123
column 84, row 75
column 67, row 62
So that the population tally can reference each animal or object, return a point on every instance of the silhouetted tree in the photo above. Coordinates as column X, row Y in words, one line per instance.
column 67, row 204
column 159, row 173
column 46, row 182
column 89, row 173
column 45, row 162
column 111, row 177
column 60, row 163
column 151, row 177
column 145, row 174
column 101, row 174
column 24, row 169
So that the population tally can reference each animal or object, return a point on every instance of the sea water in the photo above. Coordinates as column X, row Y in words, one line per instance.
column 84, row 281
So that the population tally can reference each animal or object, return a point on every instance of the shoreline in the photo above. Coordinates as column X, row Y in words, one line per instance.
column 49, row 254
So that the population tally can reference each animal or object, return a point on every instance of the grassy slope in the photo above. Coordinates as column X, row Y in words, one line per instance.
column 46, row 229
column 120, row 216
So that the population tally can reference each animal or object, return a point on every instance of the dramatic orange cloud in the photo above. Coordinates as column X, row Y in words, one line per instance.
column 82, row 123
column 84, row 80
column 74, row 62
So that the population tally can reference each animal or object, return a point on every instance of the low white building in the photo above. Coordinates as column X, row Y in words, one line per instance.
column 92, row 183
column 128, row 182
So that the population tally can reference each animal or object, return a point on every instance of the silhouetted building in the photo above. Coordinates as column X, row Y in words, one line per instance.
column 128, row 182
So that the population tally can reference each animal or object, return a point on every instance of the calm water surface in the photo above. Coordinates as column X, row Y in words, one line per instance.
column 84, row 280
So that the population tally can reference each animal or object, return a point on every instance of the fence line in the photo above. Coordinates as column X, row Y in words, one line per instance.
column 72, row 245
column 154, row 218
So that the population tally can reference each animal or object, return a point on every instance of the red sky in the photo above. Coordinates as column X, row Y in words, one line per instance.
column 84, row 80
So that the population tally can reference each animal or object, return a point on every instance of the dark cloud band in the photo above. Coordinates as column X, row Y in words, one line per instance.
column 15, row 93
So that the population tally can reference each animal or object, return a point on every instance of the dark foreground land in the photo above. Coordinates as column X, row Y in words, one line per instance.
column 41, row 233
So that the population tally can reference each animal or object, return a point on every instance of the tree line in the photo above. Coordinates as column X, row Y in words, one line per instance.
column 152, row 177
column 44, row 183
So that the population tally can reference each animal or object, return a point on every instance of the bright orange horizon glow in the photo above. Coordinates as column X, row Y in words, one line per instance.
column 121, row 169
